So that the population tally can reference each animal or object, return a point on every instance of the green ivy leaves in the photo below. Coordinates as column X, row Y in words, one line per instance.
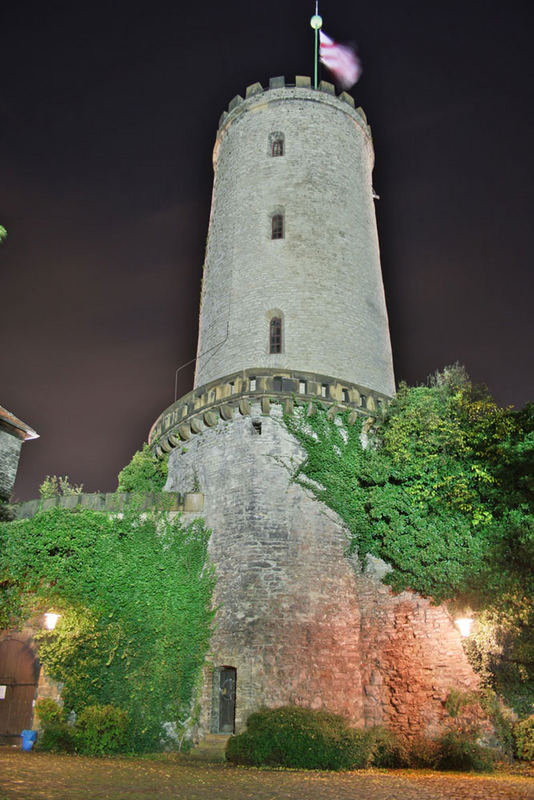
column 135, row 598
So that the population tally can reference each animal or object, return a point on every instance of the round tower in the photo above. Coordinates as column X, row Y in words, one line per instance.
column 292, row 276
column 293, row 312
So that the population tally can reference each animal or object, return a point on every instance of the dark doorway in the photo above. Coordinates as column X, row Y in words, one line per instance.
column 18, row 679
column 227, row 686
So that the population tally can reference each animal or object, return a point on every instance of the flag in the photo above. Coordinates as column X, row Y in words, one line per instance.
column 341, row 60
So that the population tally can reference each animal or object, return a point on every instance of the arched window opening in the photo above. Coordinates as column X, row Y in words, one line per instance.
column 275, row 335
column 224, row 699
column 276, row 144
column 277, row 148
column 277, row 226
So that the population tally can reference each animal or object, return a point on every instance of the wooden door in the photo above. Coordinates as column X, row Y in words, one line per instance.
column 18, row 679
column 227, row 688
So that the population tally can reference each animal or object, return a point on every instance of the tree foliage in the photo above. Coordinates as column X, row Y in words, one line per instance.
column 55, row 486
column 144, row 473
column 134, row 593
column 443, row 492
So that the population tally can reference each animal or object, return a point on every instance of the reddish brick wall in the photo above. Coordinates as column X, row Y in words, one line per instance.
column 412, row 656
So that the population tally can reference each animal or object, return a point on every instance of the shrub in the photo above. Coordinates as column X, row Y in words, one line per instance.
column 57, row 737
column 299, row 737
column 144, row 473
column 101, row 730
column 49, row 712
column 55, row 486
column 424, row 753
column 524, row 739
column 459, row 751
column 386, row 749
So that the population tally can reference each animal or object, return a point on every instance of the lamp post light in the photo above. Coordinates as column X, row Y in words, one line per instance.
column 464, row 625
column 50, row 620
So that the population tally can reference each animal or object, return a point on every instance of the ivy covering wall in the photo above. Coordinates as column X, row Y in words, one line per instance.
column 134, row 594
column 444, row 493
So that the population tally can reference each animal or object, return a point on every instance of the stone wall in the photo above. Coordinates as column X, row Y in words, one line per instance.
column 9, row 460
column 296, row 617
column 323, row 278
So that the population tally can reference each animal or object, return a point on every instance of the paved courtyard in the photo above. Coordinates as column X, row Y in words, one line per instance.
column 39, row 776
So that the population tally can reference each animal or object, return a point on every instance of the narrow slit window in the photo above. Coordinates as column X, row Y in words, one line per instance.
column 276, row 144
column 277, row 226
column 275, row 335
column 363, row 400
column 232, row 387
column 324, row 390
column 253, row 384
column 345, row 395
column 277, row 148
column 256, row 426
column 302, row 387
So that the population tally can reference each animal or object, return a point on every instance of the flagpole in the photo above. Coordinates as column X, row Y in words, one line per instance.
column 316, row 22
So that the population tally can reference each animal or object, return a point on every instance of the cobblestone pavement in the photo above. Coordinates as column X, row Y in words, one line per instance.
column 39, row 776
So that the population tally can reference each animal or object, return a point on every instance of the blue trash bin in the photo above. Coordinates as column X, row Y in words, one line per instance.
column 28, row 738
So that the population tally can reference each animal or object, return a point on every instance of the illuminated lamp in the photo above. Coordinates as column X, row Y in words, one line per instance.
column 464, row 625
column 50, row 620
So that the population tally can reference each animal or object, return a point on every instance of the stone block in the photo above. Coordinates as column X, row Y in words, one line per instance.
column 95, row 501
column 277, row 83
column 235, row 102
column 70, row 501
column 254, row 88
column 326, row 86
column 185, row 431
column 226, row 411
column 197, row 426
column 48, row 503
column 244, row 406
column 193, row 501
column 347, row 98
column 302, row 81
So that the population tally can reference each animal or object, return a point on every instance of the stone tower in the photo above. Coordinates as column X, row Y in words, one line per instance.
column 300, row 159
column 293, row 310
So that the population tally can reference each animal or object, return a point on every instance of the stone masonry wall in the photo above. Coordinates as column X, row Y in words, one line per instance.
column 9, row 460
column 323, row 278
column 411, row 657
column 295, row 617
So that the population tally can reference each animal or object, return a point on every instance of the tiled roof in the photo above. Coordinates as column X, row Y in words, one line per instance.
column 22, row 430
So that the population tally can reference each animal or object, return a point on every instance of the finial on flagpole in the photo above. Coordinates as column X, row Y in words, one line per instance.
column 316, row 22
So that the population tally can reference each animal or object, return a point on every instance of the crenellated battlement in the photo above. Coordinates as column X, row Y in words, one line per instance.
column 302, row 82
column 203, row 407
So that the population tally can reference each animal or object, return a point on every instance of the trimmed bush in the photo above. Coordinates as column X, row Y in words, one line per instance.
column 524, row 739
column 102, row 730
column 299, row 737
column 462, row 752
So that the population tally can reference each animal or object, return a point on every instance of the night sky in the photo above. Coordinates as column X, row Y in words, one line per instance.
column 108, row 114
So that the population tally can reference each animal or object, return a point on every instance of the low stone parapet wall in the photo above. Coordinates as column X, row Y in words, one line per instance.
column 111, row 502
